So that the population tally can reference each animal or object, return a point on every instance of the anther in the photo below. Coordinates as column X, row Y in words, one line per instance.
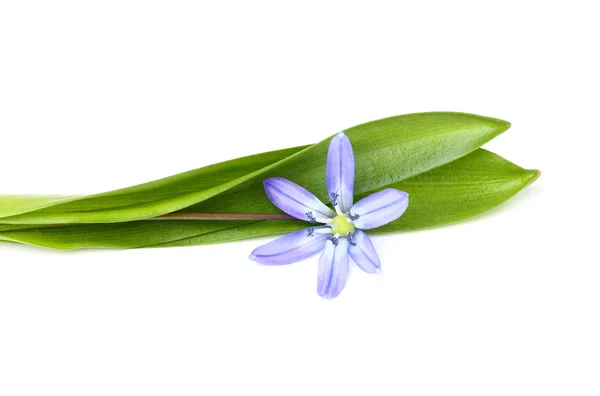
column 352, row 217
column 350, row 237
column 333, row 198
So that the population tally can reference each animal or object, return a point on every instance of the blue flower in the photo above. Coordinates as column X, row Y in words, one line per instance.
column 341, row 234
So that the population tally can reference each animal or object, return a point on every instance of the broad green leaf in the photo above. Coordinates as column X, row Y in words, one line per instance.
column 455, row 191
column 387, row 151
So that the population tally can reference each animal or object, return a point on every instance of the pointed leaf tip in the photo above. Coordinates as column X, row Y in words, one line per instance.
column 533, row 176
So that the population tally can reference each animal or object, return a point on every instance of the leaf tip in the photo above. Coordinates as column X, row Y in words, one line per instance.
column 503, row 126
column 498, row 125
column 535, row 174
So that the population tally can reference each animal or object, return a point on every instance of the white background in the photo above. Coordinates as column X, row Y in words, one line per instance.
column 101, row 95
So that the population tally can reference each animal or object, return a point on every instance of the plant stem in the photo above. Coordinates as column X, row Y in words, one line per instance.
column 222, row 216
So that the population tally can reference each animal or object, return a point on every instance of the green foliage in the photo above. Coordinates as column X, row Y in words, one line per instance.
column 432, row 156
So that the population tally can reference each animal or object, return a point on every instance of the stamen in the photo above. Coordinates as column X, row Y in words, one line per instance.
column 311, row 218
column 333, row 198
column 350, row 237
column 333, row 240
column 310, row 232
column 352, row 217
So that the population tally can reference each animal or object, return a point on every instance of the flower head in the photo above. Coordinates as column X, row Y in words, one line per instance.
column 339, row 235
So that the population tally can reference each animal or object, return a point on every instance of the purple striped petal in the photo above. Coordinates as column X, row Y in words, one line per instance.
column 340, row 172
column 296, row 201
column 379, row 208
column 363, row 252
column 292, row 247
column 333, row 268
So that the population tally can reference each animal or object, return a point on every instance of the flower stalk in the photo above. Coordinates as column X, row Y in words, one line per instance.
column 223, row 216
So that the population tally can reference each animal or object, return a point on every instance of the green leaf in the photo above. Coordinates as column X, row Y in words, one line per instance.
column 455, row 191
column 387, row 151
column 451, row 193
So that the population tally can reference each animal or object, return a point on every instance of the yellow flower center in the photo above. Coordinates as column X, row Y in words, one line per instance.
column 342, row 225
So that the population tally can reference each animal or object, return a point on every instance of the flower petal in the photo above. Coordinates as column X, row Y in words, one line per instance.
column 297, row 201
column 333, row 268
column 363, row 252
column 379, row 208
column 340, row 172
column 292, row 247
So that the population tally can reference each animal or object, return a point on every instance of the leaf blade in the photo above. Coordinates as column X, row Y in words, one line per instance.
column 456, row 191
column 387, row 151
